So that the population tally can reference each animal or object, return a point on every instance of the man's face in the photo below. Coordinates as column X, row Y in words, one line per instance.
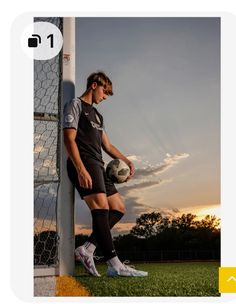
column 99, row 93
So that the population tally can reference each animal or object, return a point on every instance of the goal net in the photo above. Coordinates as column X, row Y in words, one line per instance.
column 47, row 98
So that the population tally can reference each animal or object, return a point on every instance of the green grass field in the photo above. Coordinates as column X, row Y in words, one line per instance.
column 165, row 279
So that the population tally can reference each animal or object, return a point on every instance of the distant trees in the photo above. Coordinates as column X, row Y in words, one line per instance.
column 151, row 224
column 184, row 237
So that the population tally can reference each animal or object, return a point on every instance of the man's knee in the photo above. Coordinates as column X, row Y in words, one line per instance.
column 116, row 203
column 121, row 208
column 103, row 205
column 97, row 201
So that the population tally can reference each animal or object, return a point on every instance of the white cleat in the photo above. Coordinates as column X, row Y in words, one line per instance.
column 125, row 272
column 86, row 258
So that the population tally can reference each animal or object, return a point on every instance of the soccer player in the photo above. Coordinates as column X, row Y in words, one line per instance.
column 84, row 138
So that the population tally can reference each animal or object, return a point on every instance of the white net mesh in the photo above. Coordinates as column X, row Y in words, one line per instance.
column 47, row 96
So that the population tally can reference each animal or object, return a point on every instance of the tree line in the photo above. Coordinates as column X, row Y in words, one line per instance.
column 184, row 235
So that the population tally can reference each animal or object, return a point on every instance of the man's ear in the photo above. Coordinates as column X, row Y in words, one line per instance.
column 94, row 85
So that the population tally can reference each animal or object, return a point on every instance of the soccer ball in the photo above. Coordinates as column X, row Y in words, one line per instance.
column 118, row 171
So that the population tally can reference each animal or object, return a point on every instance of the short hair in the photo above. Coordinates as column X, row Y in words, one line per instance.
column 102, row 80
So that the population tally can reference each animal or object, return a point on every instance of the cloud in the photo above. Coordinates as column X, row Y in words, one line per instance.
column 147, row 175
column 173, row 159
column 82, row 229
column 147, row 184
column 41, row 225
column 122, row 228
column 167, row 163
column 134, row 208
column 134, row 158
column 45, row 200
column 150, row 170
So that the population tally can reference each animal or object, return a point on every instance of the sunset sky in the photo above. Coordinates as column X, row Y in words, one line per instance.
column 165, row 112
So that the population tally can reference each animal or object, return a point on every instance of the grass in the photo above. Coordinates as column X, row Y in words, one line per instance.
column 198, row 279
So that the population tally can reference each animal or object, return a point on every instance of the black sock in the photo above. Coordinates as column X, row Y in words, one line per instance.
column 102, row 232
column 113, row 218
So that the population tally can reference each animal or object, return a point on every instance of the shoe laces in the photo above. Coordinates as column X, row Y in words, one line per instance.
column 126, row 262
column 97, row 257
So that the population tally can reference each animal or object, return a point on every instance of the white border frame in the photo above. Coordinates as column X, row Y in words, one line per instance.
column 22, row 156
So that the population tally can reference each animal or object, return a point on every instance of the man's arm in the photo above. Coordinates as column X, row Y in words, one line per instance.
column 112, row 151
column 73, row 151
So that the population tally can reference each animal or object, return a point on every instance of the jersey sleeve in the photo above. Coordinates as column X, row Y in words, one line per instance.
column 71, row 114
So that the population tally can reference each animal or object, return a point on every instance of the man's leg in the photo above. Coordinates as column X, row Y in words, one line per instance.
column 116, row 212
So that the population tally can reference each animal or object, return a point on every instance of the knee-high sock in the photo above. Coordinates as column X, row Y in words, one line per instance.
column 113, row 217
column 102, row 233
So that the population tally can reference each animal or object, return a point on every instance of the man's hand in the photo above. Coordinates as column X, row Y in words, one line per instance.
column 132, row 170
column 85, row 179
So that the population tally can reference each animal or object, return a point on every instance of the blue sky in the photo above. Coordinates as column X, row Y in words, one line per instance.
column 165, row 112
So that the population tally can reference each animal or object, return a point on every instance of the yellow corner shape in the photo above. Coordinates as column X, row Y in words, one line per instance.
column 227, row 279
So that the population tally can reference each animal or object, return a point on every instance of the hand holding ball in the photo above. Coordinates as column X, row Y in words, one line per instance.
column 118, row 171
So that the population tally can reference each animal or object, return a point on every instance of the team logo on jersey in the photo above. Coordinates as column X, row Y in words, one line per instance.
column 69, row 118
column 96, row 126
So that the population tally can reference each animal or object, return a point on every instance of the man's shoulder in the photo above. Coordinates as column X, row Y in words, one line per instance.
column 77, row 101
column 75, row 104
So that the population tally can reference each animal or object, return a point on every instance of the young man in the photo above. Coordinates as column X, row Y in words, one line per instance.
column 84, row 138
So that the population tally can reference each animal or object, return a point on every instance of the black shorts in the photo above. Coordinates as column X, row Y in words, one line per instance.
column 100, row 181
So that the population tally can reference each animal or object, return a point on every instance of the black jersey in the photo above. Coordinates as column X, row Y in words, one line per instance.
column 89, row 125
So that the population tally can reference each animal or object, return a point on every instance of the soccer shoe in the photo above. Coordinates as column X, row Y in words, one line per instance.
column 126, row 271
column 86, row 258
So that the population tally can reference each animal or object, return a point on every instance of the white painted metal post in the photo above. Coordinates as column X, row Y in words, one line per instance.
column 65, row 207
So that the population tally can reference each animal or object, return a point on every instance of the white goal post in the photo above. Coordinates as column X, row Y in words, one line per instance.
column 65, row 203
